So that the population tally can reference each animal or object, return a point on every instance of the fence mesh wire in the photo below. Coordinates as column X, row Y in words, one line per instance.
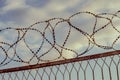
column 54, row 40
column 95, row 67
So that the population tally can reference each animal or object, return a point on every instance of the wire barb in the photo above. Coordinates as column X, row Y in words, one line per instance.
column 51, row 26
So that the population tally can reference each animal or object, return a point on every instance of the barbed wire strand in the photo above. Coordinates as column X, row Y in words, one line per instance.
column 21, row 36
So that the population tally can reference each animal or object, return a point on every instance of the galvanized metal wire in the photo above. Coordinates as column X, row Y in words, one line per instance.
column 49, row 38
column 104, row 66
column 48, row 61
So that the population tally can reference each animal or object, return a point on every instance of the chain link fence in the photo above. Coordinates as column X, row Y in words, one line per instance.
column 105, row 66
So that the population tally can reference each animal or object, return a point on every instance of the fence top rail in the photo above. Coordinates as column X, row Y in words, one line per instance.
column 89, row 57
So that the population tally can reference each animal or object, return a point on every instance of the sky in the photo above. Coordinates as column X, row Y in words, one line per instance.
column 23, row 13
column 27, row 12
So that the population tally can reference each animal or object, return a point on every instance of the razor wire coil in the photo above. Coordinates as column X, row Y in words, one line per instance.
column 22, row 32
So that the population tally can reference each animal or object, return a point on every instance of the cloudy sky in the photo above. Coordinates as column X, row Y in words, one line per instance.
column 26, row 12
column 23, row 13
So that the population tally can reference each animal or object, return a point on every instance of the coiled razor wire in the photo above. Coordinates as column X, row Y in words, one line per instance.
column 50, row 40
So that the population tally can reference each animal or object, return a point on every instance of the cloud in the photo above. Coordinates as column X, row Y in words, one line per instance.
column 13, row 4
column 62, row 5
column 28, row 11
column 16, row 15
column 2, row 3
column 102, row 6
column 23, row 13
column 37, row 3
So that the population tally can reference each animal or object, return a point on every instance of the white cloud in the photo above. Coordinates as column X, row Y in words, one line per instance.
column 102, row 6
column 57, row 8
column 14, row 4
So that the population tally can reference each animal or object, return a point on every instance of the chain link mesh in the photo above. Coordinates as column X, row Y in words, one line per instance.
column 105, row 66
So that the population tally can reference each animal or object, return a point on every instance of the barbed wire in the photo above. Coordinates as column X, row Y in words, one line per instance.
column 51, row 25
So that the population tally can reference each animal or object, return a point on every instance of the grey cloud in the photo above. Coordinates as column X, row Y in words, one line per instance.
column 37, row 3
column 20, row 15
column 78, row 6
column 16, row 15
column 2, row 3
